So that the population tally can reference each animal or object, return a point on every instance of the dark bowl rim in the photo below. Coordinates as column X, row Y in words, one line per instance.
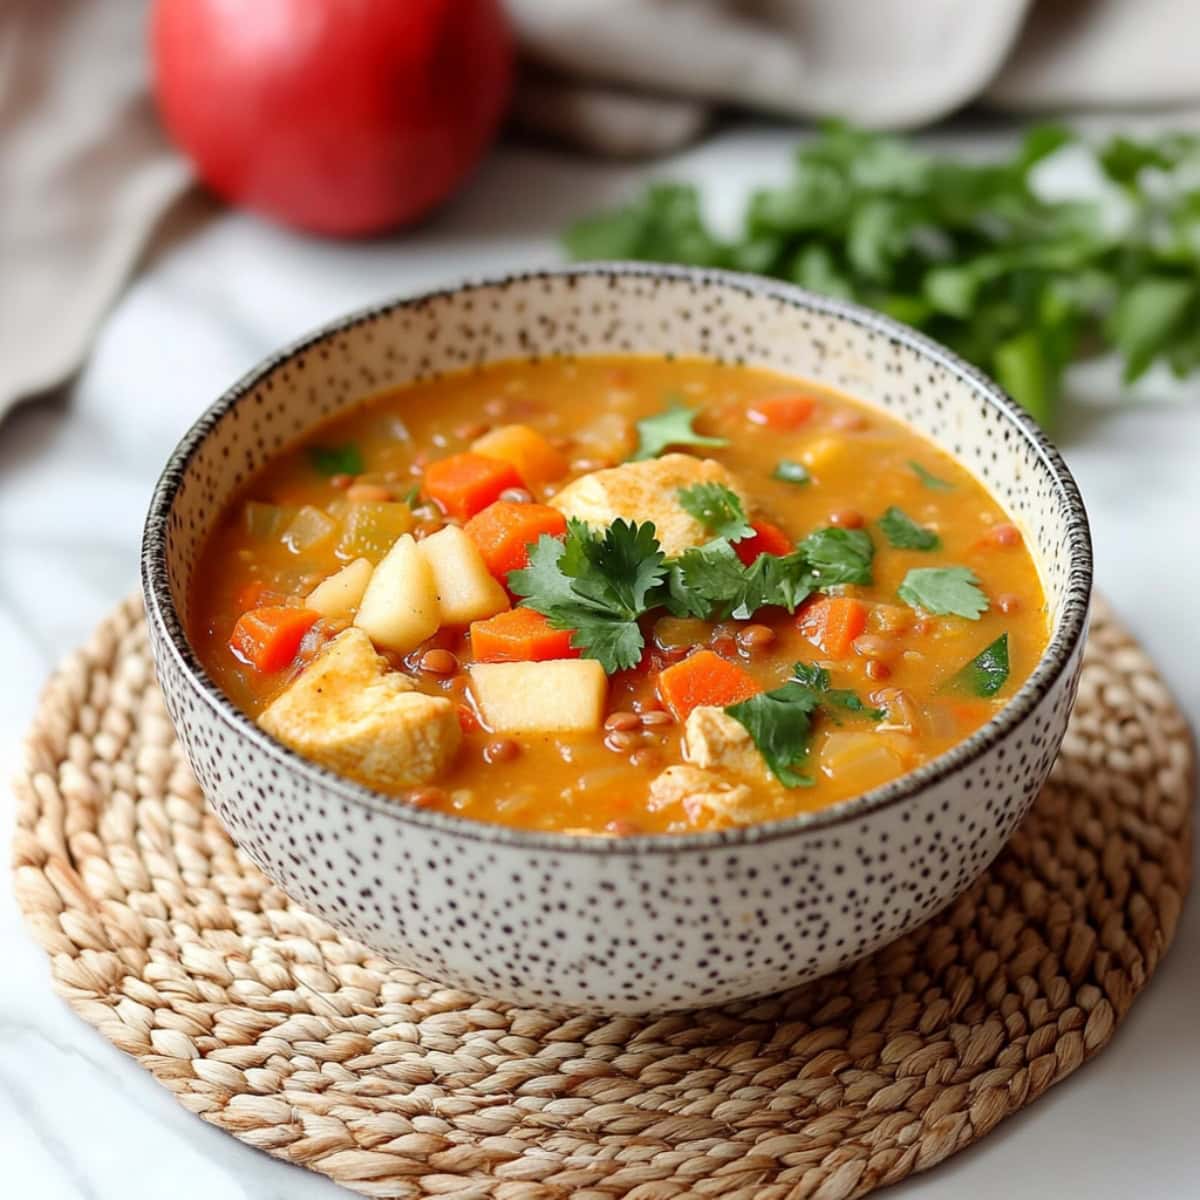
column 1054, row 660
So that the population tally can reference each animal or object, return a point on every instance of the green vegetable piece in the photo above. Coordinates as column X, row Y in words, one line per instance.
column 944, row 591
column 672, row 427
column 718, row 509
column 266, row 522
column 370, row 529
column 905, row 534
column 780, row 721
column 930, row 481
column 787, row 471
column 837, row 556
column 985, row 674
column 336, row 460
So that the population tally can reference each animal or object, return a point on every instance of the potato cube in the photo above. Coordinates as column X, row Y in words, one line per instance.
column 466, row 589
column 342, row 592
column 399, row 609
column 565, row 695
column 821, row 453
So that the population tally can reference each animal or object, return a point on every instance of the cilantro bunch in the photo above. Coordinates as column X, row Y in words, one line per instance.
column 601, row 584
column 1019, row 284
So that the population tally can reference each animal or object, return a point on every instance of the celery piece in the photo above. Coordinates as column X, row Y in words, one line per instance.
column 370, row 529
column 308, row 529
column 266, row 522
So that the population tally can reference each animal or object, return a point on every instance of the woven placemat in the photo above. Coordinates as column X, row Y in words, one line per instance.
column 267, row 1023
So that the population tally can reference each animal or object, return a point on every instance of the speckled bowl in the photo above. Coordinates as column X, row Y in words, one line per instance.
column 644, row 923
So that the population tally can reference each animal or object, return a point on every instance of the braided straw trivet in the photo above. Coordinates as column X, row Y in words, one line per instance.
column 268, row 1024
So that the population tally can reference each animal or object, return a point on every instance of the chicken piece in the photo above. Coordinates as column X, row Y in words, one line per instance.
column 648, row 491
column 347, row 712
column 703, row 793
column 712, row 738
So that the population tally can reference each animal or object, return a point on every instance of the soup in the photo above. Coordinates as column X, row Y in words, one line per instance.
column 618, row 595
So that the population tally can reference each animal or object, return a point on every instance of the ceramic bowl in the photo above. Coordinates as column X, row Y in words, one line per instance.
column 643, row 923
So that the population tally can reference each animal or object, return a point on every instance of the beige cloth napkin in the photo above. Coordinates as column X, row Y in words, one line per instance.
column 85, row 173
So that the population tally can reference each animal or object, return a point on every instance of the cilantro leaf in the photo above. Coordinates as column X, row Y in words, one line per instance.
column 710, row 581
column 838, row 556
column 671, row 427
column 930, row 481
column 780, row 721
column 985, row 674
column 788, row 471
column 337, row 460
column 710, row 576
column 718, row 509
column 905, row 534
column 617, row 569
column 596, row 585
column 818, row 679
column 951, row 591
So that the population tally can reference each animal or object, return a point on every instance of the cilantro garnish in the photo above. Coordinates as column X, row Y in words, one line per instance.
column 944, row 591
column 336, row 460
column 788, row 471
column 905, row 534
column 930, row 481
column 838, row 556
column 671, row 427
column 780, row 721
column 718, row 509
column 599, row 584
column 974, row 252
column 985, row 674
column 596, row 585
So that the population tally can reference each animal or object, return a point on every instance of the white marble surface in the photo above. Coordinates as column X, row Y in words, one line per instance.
column 78, row 1119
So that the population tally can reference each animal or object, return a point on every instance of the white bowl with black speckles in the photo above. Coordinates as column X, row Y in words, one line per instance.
column 644, row 923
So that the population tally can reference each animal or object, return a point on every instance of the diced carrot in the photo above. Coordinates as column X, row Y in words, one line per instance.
column 519, row 635
column 782, row 412
column 532, row 456
column 468, row 722
column 832, row 623
column 504, row 531
column 268, row 638
column 767, row 539
column 704, row 678
column 465, row 483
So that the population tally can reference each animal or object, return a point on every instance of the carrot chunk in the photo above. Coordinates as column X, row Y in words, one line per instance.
column 504, row 531
column 704, row 678
column 532, row 456
column 465, row 483
column 832, row 623
column 782, row 412
column 767, row 539
column 519, row 635
column 268, row 638
column 255, row 594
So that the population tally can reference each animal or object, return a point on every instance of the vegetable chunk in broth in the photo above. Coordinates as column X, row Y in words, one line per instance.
column 618, row 595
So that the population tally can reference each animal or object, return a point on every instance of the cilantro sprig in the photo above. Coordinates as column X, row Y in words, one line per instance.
column 597, row 585
column 671, row 427
column 972, row 252
column 718, row 509
column 780, row 722
column 905, row 534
